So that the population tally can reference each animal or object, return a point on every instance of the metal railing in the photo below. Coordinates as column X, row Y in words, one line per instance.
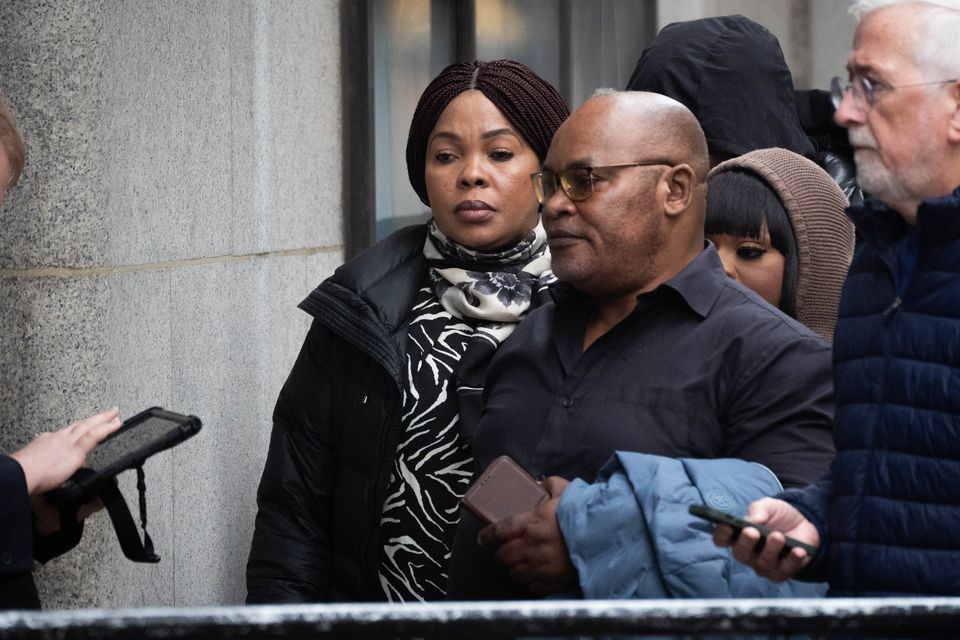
column 455, row 620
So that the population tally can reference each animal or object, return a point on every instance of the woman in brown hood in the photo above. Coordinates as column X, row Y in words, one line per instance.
column 778, row 222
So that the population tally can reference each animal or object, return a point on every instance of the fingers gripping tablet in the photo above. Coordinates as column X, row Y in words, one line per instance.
column 140, row 437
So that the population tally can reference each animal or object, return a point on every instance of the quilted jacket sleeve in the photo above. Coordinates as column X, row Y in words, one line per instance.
column 290, row 555
column 812, row 501
column 607, row 538
column 630, row 535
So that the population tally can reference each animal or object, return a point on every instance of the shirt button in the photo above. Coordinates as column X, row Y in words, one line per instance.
column 567, row 403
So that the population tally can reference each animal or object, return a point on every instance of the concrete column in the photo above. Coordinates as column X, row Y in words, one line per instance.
column 182, row 193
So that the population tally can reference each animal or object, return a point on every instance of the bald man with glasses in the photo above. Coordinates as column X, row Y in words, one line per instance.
column 885, row 520
column 647, row 347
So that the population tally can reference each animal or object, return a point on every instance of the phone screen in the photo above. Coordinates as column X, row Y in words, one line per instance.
column 129, row 441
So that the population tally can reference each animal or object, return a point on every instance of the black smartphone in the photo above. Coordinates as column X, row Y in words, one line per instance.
column 138, row 438
column 502, row 490
column 739, row 524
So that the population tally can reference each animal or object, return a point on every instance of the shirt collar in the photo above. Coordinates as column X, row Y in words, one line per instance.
column 937, row 220
column 699, row 283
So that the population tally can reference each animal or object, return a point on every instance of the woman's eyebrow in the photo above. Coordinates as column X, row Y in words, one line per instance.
column 450, row 135
column 493, row 133
column 486, row 135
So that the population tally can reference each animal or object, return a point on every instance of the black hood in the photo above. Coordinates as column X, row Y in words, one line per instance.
column 730, row 72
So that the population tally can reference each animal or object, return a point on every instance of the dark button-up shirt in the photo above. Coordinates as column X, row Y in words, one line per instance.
column 702, row 368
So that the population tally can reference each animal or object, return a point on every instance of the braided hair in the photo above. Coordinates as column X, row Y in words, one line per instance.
column 529, row 102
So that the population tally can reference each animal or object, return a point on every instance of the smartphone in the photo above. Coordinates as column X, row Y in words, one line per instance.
column 739, row 524
column 502, row 490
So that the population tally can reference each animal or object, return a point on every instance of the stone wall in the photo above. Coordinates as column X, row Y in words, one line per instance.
column 182, row 193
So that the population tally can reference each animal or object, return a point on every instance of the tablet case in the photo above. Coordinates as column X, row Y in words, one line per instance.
column 87, row 484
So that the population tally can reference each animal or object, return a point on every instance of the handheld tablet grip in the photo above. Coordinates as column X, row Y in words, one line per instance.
column 140, row 437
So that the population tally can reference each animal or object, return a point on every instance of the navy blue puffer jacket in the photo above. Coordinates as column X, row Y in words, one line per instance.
column 890, row 513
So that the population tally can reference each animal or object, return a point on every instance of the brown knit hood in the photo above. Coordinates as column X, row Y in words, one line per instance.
column 822, row 230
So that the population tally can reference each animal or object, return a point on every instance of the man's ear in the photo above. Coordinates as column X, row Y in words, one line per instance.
column 679, row 184
column 953, row 132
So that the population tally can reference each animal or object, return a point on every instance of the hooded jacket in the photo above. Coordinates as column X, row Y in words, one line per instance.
column 730, row 72
column 823, row 233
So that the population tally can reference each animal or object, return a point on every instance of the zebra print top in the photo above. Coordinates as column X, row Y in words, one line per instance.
column 432, row 468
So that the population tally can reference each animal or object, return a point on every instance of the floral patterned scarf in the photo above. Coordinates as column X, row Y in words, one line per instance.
column 495, row 288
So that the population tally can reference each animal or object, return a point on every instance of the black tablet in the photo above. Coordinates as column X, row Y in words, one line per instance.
column 138, row 438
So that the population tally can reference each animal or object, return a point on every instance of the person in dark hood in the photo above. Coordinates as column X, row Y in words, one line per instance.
column 731, row 73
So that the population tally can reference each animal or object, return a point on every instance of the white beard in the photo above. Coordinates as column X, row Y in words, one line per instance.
column 872, row 176
column 875, row 178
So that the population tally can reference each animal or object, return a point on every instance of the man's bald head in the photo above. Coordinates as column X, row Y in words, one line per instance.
column 645, row 124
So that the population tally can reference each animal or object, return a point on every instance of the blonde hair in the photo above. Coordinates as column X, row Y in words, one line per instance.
column 12, row 143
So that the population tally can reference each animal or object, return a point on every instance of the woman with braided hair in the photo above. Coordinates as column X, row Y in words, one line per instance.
column 370, row 450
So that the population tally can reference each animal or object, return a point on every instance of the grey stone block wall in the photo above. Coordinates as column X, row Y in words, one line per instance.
column 182, row 193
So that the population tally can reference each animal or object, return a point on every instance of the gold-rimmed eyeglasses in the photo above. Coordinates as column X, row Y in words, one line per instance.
column 577, row 182
column 865, row 90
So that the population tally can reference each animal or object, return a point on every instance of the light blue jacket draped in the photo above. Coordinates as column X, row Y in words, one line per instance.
column 630, row 535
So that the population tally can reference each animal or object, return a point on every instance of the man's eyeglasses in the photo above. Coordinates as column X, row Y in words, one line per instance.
column 577, row 182
column 865, row 91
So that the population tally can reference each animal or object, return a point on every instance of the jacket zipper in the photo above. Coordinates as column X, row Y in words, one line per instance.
column 893, row 306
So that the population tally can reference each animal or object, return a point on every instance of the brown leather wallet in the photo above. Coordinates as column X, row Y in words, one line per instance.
column 502, row 490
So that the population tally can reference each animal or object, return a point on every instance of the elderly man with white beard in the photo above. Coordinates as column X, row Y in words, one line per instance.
column 885, row 518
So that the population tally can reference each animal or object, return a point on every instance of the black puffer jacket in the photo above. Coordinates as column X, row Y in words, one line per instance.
column 336, row 427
